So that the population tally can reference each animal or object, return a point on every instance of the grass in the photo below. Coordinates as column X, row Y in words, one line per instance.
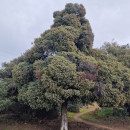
column 105, row 112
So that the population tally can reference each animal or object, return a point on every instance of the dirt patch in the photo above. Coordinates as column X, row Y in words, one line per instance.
column 123, row 124
column 44, row 125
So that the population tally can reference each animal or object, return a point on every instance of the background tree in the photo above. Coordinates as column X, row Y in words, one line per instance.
column 8, row 94
column 122, row 53
column 112, row 86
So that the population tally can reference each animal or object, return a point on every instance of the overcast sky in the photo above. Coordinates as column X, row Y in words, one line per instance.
column 23, row 20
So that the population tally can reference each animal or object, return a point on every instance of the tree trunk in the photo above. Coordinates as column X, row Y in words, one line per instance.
column 64, row 119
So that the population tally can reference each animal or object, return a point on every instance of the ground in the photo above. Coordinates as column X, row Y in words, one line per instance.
column 110, row 123
column 44, row 125
column 77, row 121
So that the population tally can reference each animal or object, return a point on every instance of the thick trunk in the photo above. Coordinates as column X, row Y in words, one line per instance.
column 64, row 119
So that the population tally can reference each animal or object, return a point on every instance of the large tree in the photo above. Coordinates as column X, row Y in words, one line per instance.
column 62, row 67
column 54, row 70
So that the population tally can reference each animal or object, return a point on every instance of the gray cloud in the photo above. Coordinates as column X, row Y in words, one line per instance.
column 23, row 20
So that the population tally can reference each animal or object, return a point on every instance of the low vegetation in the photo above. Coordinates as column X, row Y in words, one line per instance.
column 107, row 117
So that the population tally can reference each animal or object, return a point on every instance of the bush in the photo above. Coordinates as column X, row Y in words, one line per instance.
column 127, row 108
column 120, row 112
column 73, row 108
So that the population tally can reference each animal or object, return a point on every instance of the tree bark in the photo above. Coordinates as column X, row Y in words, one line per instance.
column 64, row 119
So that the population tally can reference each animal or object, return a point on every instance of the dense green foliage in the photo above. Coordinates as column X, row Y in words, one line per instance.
column 63, row 67
column 8, row 93
column 73, row 15
column 22, row 73
column 122, row 53
column 113, row 75
column 56, row 81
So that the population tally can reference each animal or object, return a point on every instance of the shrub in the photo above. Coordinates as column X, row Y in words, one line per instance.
column 73, row 108
column 120, row 112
